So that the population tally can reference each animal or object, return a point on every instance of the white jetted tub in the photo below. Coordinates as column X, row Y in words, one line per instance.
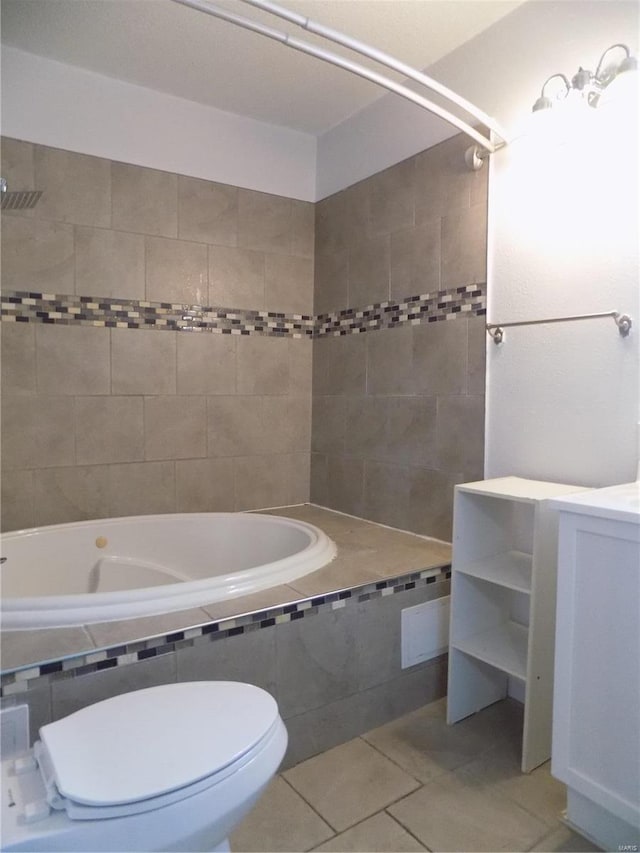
column 120, row 568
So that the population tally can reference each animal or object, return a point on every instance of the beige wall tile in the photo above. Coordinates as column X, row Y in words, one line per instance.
column 207, row 211
column 261, row 481
column 464, row 247
column 286, row 424
column 206, row 363
column 300, row 365
column 342, row 219
column 303, row 220
column 143, row 362
column 205, row 485
column 18, row 358
column 345, row 483
column 175, row 427
column 390, row 361
column 439, row 359
column 398, row 430
column 72, row 360
column 37, row 255
column 264, row 222
column 288, row 284
column 109, row 429
column 37, row 432
column 263, row 365
column 144, row 200
column 236, row 278
column 142, row 488
column 369, row 269
column 392, row 198
column 77, row 187
column 176, row 271
column 331, row 281
column 365, row 427
column 386, row 493
column 430, row 499
column 300, row 478
column 234, row 426
column 70, row 695
column 71, row 494
column 347, row 367
column 460, row 432
column 415, row 260
column 109, row 263
column 17, row 501
column 443, row 180
column 318, row 489
column 329, row 425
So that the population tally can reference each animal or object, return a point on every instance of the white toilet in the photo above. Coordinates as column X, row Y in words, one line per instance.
column 174, row 767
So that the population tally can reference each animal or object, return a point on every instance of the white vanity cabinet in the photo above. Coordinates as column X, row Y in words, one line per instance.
column 596, row 721
column 503, row 596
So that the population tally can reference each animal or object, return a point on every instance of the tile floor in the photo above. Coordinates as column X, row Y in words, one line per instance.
column 416, row 784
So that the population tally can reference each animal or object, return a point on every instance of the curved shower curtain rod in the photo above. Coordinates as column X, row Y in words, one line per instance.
column 474, row 158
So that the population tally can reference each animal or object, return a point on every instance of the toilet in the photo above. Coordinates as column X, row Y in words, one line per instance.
column 173, row 767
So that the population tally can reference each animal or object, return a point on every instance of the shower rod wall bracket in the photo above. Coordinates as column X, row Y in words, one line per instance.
column 622, row 321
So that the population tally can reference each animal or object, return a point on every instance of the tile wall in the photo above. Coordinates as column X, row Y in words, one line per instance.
column 398, row 412
column 100, row 421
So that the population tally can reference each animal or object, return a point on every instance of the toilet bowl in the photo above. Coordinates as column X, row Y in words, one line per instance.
column 174, row 767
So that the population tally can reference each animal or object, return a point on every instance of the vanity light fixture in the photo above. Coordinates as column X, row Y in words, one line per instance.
column 587, row 84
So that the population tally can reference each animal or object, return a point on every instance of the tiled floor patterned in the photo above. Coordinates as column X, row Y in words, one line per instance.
column 416, row 784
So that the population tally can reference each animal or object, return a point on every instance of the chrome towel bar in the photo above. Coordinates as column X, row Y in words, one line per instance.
column 622, row 321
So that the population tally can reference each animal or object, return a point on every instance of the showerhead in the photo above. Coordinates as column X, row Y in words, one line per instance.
column 19, row 199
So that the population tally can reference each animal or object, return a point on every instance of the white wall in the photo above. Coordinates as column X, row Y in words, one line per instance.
column 66, row 107
column 562, row 399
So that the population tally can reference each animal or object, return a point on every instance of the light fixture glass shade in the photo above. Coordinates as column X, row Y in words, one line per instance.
column 623, row 89
column 543, row 103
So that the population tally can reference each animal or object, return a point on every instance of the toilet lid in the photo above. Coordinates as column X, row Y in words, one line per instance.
column 152, row 741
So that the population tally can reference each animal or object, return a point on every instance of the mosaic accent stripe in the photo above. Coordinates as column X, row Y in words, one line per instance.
column 415, row 310
column 23, row 307
column 26, row 307
column 20, row 680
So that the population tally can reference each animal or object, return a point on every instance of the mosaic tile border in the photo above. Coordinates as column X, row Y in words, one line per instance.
column 426, row 308
column 28, row 307
column 22, row 679
column 24, row 307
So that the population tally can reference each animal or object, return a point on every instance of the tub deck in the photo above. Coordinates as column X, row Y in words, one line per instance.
column 368, row 553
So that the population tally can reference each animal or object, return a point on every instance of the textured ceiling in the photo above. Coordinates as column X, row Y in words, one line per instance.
column 170, row 48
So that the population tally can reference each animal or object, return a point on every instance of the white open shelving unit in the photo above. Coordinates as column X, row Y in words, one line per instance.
column 503, row 600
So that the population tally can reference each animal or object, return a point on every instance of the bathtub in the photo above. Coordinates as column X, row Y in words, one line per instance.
column 121, row 568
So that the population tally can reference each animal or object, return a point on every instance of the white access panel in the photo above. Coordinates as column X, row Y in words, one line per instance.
column 424, row 631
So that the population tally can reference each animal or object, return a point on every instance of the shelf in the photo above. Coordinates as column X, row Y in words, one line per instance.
column 518, row 489
column 511, row 569
column 504, row 647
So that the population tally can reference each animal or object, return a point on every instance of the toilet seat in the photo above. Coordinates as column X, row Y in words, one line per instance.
column 114, row 758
